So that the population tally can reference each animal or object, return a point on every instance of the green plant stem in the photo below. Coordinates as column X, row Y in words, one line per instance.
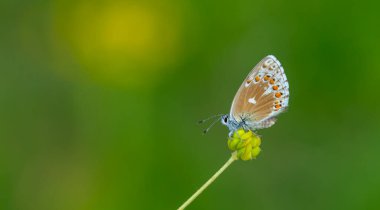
column 211, row 180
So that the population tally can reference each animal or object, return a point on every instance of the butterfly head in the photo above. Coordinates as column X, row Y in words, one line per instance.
column 231, row 123
column 225, row 119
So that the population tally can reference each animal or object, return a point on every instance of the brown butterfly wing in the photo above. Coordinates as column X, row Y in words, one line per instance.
column 263, row 94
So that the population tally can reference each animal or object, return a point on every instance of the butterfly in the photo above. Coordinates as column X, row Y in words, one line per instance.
column 262, row 96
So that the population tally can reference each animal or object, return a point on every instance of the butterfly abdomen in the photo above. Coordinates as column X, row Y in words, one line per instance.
column 268, row 123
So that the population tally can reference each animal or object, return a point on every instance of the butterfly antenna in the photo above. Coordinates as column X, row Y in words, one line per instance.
column 209, row 118
column 205, row 131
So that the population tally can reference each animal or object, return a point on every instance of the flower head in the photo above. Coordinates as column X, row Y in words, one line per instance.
column 246, row 143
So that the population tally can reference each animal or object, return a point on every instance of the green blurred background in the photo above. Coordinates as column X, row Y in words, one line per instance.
column 99, row 102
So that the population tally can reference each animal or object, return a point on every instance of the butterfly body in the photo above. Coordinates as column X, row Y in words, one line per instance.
column 261, row 97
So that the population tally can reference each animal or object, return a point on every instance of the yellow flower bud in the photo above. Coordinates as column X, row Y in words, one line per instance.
column 256, row 141
column 247, row 153
column 243, row 143
column 246, row 143
column 240, row 152
column 232, row 143
column 255, row 152
column 247, row 135
column 238, row 133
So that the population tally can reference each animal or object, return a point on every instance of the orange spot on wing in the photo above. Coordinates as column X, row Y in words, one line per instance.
column 257, row 78
column 271, row 81
column 275, row 87
column 278, row 95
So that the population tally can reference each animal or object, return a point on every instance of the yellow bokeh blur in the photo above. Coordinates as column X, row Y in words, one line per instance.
column 121, row 43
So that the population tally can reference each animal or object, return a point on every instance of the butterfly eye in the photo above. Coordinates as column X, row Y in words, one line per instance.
column 225, row 120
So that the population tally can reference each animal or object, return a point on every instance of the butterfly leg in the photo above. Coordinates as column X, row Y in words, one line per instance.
column 230, row 134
